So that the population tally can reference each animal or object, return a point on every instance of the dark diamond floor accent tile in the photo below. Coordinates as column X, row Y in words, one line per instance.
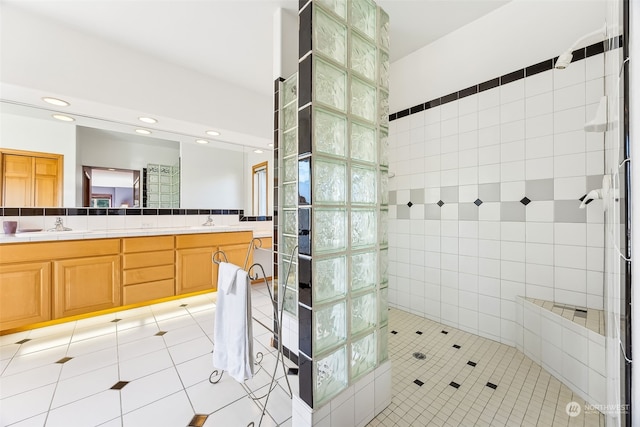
column 198, row 420
column 115, row 320
column 454, row 384
column 23, row 341
column 470, row 363
column 444, row 332
column 64, row 360
column 440, row 203
column 456, row 346
column 119, row 385
column 478, row 202
column 420, row 383
column 183, row 305
column 492, row 385
column 394, row 332
column 161, row 333
column 409, row 204
column 292, row 371
column 525, row 201
column 419, row 332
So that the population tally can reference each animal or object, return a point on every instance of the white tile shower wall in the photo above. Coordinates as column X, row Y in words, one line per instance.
column 462, row 264
column 571, row 353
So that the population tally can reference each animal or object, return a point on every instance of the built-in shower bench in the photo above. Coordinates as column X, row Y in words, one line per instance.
column 567, row 341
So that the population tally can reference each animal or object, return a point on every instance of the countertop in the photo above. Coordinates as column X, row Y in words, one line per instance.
column 47, row 236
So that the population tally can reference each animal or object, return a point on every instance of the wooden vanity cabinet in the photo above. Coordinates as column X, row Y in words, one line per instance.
column 148, row 268
column 26, row 294
column 195, row 270
column 43, row 281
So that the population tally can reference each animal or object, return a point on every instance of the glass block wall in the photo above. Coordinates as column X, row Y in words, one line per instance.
column 342, row 166
column 163, row 186
column 287, row 260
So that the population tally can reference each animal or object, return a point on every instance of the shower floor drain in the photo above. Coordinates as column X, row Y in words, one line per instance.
column 419, row 356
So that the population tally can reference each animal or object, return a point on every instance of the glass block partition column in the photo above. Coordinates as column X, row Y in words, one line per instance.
column 163, row 186
column 342, row 198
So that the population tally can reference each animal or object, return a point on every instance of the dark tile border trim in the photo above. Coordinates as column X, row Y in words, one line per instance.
column 546, row 65
column 127, row 211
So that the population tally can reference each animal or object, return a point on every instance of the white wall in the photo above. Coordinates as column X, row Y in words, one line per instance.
column 516, row 35
column 45, row 56
column 30, row 134
column 211, row 178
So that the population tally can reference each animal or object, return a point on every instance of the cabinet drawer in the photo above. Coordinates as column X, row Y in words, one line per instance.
column 147, row 259
column 212, row 239
column 148, row 291
column 47, row 251
column 149, row 274
column 147, row 244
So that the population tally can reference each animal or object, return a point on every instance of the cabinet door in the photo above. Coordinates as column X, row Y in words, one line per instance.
column 26, row 294
column 46, row 182
column 195, row 270
column 83, row 285
column 17, row 180
column 236, row 254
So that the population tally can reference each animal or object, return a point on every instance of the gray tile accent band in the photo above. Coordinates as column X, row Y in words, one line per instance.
column 512, row 211
column 467, row 212
column 489, row 192
column 568, row 211
column 393, row 195
column 402, row 212
column 417, row 196
column 431, row 211
column 539, row 189
column 449, row 194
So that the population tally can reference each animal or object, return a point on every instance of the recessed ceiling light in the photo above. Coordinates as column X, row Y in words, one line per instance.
column 202, row 141
column 55, row 101
column 270, row 144
column 258, row 151
column 63, row 117
column 213, row 133
column 143, row 131
column 147, row 120
column 111, row 169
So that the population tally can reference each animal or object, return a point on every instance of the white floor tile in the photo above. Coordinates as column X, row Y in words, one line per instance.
column 144, row 365
column 28, row 380
column 191, row 349
column 171, row 411
column 145, row 390
column 91, row 411
column 84, row 385
column 26, row 405
column 207, row 398
column 240, row 413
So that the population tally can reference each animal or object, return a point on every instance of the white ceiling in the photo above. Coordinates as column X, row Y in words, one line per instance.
column 208, row 35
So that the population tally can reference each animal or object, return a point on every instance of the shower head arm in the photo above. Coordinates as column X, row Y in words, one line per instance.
column 564, row 59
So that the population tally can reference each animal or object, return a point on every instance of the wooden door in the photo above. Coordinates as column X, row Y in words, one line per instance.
column 83, row 285
column 17, row 185
column 46, row 182
column 31, row 178
column 26, row 294
column 195, row 270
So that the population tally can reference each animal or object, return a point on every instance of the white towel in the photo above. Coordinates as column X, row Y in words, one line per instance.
column 233, row 332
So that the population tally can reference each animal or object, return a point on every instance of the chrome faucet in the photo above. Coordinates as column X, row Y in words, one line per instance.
column 209, row 222
column 59, row 226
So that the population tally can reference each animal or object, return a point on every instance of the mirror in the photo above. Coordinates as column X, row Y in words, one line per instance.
column 217, row 175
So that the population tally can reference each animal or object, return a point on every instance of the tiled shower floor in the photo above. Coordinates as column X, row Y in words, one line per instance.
column 67, row 375
column 590, row 318
column 467, row 380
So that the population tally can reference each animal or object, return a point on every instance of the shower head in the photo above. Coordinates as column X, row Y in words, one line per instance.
column 563, row 60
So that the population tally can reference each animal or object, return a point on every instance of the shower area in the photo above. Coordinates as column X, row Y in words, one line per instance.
column 508, row 214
